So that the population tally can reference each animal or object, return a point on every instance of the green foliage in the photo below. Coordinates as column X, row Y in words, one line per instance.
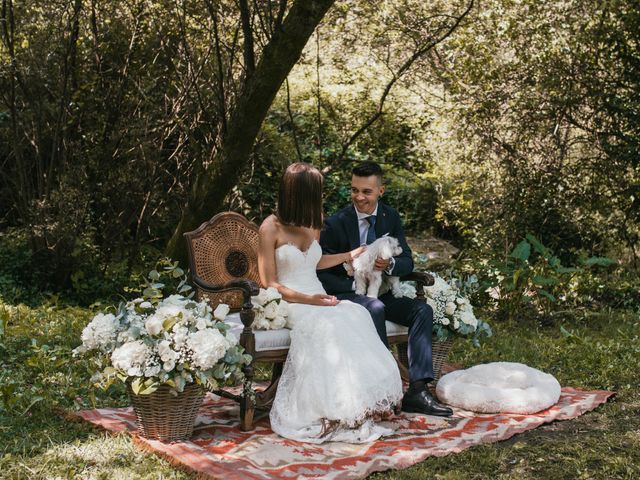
column 543, row 122
column 533, row 280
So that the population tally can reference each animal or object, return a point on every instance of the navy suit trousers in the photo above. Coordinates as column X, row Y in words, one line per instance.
column 410, row 312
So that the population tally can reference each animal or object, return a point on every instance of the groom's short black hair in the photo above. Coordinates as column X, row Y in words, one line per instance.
column 366, row 169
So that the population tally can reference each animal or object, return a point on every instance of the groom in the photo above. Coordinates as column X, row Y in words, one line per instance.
column 361, row 223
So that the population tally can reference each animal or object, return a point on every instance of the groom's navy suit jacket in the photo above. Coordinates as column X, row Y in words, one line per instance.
column 341, row 234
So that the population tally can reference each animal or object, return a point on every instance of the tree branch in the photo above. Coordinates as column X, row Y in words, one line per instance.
column 249, row 58
column 419, row 53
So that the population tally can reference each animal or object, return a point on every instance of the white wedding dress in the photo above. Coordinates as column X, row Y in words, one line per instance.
column 338, row 374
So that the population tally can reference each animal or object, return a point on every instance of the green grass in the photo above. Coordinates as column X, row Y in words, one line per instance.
column 40, row 381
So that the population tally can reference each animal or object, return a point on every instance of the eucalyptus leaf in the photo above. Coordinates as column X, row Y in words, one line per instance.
column 154, row 275
column 177, row 272
column 136, row 385
column 150, row 292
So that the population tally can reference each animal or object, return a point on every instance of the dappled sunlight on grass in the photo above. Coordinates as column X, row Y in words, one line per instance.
column 40, row 381
column 101, row 456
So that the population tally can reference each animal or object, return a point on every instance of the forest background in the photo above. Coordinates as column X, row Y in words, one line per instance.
column 509, row 128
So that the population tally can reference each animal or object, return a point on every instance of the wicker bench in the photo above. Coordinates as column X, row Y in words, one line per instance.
column 223, row 260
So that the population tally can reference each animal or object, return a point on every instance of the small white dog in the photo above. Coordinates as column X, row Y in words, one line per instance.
column 368, row 280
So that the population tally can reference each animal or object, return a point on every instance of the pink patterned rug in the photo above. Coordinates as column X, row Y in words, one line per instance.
column 219, row 449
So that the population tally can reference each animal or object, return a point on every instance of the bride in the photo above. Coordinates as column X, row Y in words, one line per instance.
column 339, row 378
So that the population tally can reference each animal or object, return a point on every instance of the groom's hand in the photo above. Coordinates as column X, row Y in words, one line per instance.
column 381, row 264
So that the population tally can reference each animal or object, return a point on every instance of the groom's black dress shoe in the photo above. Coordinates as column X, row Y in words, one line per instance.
column 422, row 402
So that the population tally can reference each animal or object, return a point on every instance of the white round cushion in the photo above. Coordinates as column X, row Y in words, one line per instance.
column 499, row 387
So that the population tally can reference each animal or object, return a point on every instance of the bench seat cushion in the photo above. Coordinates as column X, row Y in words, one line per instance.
column 279, row 339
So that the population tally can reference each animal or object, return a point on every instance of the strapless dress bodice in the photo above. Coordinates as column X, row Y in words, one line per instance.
column 296, row 269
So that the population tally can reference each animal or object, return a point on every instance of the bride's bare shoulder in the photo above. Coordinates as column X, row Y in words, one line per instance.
column 269, row 226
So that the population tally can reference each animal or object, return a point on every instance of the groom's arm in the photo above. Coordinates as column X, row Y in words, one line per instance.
column 334, row 280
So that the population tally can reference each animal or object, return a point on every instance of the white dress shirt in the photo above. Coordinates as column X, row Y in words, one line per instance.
column 363, row 223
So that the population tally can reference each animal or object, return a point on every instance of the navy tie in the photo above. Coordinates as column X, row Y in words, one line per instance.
column 371, row 231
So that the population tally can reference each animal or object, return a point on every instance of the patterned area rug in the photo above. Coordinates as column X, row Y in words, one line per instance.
column 219, row 449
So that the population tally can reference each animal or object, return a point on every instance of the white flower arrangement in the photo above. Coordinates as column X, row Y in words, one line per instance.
column 153, row 341
column 452, row 311
column 270, row 310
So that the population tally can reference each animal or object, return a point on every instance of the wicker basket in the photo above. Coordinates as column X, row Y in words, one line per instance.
column 439, row 353
column 167, row 417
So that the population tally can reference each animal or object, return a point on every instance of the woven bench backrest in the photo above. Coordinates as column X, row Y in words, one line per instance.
column 221, row 250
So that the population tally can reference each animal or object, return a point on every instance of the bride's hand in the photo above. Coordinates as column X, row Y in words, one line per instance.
column 353, row 254
column 325, row 300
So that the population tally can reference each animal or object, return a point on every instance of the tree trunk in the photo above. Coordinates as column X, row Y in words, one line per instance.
column 211, row 186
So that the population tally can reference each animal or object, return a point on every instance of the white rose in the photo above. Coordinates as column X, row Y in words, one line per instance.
column 450, row 308
column 146, row 305
column 169, row 365
column 258, row 311
column 283, row 309
column 278, row 322
column 221, row 311
column 261, row 324
column 153, row 325
column 271, row 310
column 272, row 294
column 165, row 310
column 165, row 351
column 445, row 321
column 260, row 299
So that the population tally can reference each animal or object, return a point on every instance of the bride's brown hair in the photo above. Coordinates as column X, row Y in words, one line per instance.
column 300, row 196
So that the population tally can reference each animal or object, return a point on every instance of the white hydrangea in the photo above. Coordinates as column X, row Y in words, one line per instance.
column 208, row 346
column 131, row 357
column 101, row 332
